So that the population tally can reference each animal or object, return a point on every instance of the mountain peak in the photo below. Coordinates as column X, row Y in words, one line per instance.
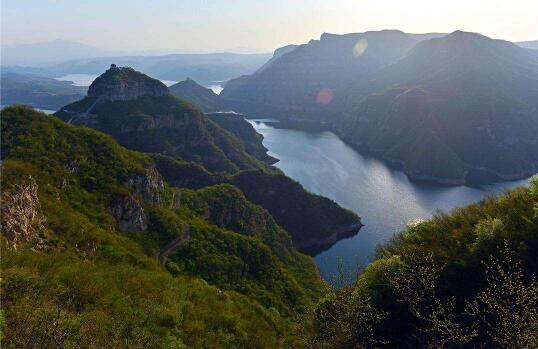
column 124, row 83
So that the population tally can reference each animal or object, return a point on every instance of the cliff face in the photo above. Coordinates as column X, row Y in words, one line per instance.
column 142, row 115
column 74, row 200
column 123, row 84
column 196, row 150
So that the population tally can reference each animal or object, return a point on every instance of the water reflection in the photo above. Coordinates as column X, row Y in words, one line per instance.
column 384, row 198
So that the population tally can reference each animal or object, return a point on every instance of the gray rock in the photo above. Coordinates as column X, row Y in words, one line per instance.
column 124, row 83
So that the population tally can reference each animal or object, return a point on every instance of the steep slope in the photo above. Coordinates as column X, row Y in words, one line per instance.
column 193, row 151
column 242, row 129
column 313, row 77
column 466, row 279
column 204, row 98
column 455, row 105
column 141, row 114
column 83, row 221
column 314, row 222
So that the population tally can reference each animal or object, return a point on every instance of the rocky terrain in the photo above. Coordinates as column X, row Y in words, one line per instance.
column 124, row 84
column 193, row 150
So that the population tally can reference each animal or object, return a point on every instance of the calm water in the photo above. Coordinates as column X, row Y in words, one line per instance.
column 384, row 198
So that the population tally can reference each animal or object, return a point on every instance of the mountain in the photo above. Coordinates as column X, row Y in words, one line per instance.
column 450, row 109
column 236, row 124
column 141, row 114
column 48, row 52
column 312, row 78
column 279, row 52
column 204, row 98
column 454, row 107
column 206, row 68
column 194, row 151
column 528, row 44
column 92, row 236
column 38, row 91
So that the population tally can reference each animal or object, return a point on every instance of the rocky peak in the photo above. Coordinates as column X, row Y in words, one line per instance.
column 124, row 83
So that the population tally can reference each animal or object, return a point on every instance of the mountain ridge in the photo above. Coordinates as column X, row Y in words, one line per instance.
column 452, row 90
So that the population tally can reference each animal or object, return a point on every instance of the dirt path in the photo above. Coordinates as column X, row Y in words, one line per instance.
column 170, row 247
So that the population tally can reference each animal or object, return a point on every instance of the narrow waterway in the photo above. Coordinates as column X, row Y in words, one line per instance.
column 384, row 198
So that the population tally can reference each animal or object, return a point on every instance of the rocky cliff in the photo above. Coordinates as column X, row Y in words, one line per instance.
column 123, row 84
column 142, row 115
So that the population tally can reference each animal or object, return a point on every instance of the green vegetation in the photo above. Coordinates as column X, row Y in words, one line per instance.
column 310, row 219
column 98, row 251
column 165, row 125
column 204, row 98
column 236, row 124
column 73, row 277
column 192, row 150
column 465, row 279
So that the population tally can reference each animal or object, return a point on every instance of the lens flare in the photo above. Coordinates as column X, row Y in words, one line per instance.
column 324, row 97
column 360, row 47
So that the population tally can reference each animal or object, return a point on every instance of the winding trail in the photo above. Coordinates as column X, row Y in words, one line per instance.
column 170, row 247
column 83, row 114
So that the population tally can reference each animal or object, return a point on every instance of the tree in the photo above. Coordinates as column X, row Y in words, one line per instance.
column 508, row 306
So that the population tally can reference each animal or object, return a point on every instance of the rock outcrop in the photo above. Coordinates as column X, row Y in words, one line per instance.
column 123, row 84
column 128, row 212
column 148, row 185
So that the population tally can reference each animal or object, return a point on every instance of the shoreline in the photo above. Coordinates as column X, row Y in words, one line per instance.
column 472, row 177
column 315, row 246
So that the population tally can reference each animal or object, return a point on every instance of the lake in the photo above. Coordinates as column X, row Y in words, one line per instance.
column 384, row 198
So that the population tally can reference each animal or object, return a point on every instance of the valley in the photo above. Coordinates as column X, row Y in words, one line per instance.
column 167, row 183
column 384, row 197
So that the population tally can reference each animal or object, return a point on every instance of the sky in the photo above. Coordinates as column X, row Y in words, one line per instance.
column 252, row 25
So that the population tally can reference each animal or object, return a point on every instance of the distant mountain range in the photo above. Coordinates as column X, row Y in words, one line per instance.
column 38, row 91
column 446, row 108
column 529, row 44
column 49, row 52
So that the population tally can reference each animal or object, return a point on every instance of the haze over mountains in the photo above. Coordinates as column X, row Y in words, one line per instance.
column 443, row 108
column 145, row 216
column 46, row 53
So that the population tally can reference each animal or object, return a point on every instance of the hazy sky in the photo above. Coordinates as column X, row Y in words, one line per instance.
column 212, row 25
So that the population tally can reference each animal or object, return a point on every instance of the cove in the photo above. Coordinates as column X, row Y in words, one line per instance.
column 384, row 197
